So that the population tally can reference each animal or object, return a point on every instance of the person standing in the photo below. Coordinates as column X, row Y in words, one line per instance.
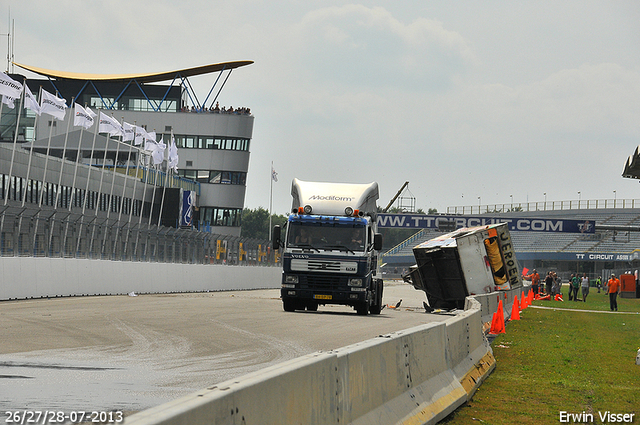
column 585, row 287
column 599, row 283
column 575, row 284
column 571, row 287
column 548, row 282
column 535, row 280
column 614, row 290
column 557, row 284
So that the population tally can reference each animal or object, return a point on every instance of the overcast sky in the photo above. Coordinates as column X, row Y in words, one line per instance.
column 494, row 100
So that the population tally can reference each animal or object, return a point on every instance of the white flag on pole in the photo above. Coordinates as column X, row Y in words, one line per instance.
column 158, row 152
column 110, row 125
column 129, row 131
column 8, row 100
column 139, row 135
column 9, row 87
column 52, row 105
column 149, row 140
column 173, row 156
column 30, row 100
column 84, row 117
column 274, row 175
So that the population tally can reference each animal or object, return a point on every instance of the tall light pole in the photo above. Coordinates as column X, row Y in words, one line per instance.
column 579, row 196
column 545, row 198
column 614, row 198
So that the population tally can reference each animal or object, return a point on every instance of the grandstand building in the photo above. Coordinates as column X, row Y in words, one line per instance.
column 615, row 244
column 62, row 173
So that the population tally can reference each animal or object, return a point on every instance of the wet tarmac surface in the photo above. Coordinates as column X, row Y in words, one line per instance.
column 132, row 353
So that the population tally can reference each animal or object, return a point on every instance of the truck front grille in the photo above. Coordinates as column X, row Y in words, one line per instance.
column 321, row 281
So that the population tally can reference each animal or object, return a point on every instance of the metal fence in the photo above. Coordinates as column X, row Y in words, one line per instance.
column 546, row 206
column 43, row 233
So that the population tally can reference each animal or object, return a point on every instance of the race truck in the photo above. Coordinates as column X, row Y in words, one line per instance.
column 330, row 247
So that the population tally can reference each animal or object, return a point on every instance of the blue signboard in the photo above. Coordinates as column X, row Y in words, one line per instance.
column 520, row 224
column 578, row 256
column 188, row 204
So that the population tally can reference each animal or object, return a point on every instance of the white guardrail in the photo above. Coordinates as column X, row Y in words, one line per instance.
column 62, row 277
column 416, row 376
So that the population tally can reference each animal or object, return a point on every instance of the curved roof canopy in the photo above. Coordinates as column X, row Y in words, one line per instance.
column 142, row 78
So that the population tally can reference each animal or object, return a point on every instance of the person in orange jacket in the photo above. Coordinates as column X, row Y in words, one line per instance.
column 614, row 290
column 535, row 280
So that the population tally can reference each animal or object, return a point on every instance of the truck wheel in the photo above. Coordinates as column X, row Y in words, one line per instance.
column 376, row 308
column 312, row 307
column 362, row 309
column 289, row 305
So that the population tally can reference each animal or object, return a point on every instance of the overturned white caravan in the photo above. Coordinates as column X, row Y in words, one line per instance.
column 330, row 247
column 468, row 261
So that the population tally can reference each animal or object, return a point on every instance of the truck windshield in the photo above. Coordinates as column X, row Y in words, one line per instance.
column 347, row 238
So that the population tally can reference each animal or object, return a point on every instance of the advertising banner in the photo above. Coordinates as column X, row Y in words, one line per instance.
column 451, row 222
column 188, row 205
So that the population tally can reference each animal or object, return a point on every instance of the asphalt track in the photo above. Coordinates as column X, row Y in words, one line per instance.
column 130, row 353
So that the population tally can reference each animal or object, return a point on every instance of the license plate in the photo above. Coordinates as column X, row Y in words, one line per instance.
column 322, row 297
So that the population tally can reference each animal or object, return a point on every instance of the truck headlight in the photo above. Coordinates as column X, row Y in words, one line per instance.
column 355, row 282
column 291, row 278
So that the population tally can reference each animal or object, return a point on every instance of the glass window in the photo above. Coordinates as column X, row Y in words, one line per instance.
column 203, row 176
column 190, row 174
column 208, row 142
column 215, row 177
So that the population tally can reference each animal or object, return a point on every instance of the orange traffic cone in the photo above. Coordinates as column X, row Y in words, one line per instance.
column 523, row 303
column 515, row 309
column 497, row 324
column 530, row 299
column 500, row 310
column 558, row 297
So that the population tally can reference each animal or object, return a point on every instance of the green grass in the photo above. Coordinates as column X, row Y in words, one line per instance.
column 556, row 360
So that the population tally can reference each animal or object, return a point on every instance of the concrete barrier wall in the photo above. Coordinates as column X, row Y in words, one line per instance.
column 418, row 375
column 398, row 378
column 36, row 277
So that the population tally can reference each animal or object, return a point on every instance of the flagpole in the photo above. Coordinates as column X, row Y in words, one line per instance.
column 145, row 177
column 15, row 144
column 85, row 200
column 104, row 161
column 133, row 191
column 124, row 187
column 75, row 168
column 153, row 196
column 270, row 198
column 109, row 206
column 13, row 153
column 64, row 152
column 74, row 194
column 24, row 193
column 35, row 124
column 44, row 175
column 164, row 189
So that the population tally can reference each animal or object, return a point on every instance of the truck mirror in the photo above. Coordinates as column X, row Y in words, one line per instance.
column 276, row 237
column 377, row 241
